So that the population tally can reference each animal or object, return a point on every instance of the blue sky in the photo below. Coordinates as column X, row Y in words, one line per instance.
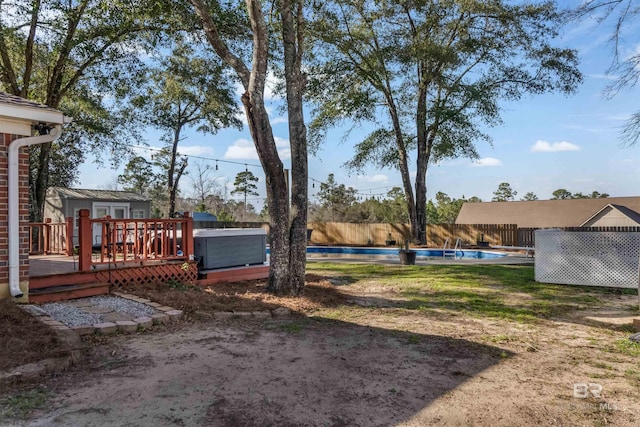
column 545, row 142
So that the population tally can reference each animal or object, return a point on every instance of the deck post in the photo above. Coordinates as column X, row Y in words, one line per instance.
column 46, row 231
column 187, row 236
column 84, row 241
column 68, row 235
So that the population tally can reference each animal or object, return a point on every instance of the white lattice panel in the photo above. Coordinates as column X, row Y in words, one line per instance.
column 587, row 258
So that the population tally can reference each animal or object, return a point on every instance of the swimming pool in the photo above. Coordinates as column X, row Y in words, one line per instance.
column 389, row 252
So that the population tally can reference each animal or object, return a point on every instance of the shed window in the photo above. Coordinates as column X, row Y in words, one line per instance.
column 119, row 213
column 76, row 218
column 138, row 213
column 102, row 211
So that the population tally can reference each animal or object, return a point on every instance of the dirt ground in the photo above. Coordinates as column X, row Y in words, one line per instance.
column 15, row 325
column 348, row 358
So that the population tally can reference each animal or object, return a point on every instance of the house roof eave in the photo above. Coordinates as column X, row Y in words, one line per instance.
column 20, row 114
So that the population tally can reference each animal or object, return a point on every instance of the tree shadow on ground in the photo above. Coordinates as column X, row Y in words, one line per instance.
column 310, row 371
column 342, row 374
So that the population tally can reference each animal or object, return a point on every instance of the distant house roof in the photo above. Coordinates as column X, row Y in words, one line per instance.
column 629, row 216
column 111, row 195
column 543, row 213
column 203, row 216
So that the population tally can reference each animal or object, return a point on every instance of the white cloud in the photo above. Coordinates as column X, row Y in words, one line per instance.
column 373, row 178
column 284, row 149
column 243, row 149
column 584, row 180
column 273, row 118
column 631, row 53
column 487, row 162
column 278, row 120
column 603, row 76
column 547, row 147
column 285, row 154
column 281, row 142
column 196, row 150
column 618, row 117
column 143, row 152
column 269, row 87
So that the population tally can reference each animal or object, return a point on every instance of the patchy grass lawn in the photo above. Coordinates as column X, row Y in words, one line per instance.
column 506, row 292
column 451, row 344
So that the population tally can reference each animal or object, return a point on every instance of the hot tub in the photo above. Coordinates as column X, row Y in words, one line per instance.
column 230, row 247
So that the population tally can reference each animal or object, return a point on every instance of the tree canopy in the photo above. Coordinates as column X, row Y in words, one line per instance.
column 186, row 89
column 70, row 55
column 504, row 193
column 563, row 194
column 445, row 209
column 624, row 68
column 428, row 74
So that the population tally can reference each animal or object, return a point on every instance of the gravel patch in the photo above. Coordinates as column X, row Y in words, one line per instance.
column 72, row 315
column 122, row 305
column 68, row 314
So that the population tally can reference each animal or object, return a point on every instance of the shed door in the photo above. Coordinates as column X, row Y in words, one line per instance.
column 100, row 210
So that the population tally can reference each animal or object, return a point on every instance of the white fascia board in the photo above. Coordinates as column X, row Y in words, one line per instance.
column 32, row 114
column 11, row 126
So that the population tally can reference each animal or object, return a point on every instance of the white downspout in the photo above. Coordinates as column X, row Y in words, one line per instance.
column 14, row 203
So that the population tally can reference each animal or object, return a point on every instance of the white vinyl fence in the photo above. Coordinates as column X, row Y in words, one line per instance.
column 587, row 258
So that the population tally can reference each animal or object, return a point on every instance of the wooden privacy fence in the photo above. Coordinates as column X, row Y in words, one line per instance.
column 339, row 233
column 335, row 233
column 473, row 234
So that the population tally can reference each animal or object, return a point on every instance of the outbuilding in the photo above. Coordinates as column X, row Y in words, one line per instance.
column 62, row 203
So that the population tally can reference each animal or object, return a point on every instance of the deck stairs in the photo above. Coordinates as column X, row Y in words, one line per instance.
column 58, row 287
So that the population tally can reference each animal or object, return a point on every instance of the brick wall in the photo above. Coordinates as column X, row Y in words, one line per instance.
column 23, row 172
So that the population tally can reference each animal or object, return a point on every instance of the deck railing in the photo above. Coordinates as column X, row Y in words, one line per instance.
column 114, row 241
column 125, row 241
column 50, row 238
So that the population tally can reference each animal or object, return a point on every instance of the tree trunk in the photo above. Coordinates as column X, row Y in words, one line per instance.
column 171, row 183
column 422, row 162
column 424, row 157
column 287, row 235
column 41, row 181
column 403, row 166
column 277, row 195
column 292, row 32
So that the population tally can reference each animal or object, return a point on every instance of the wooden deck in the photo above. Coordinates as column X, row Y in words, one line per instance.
column 56, row 277
column 46, row 265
